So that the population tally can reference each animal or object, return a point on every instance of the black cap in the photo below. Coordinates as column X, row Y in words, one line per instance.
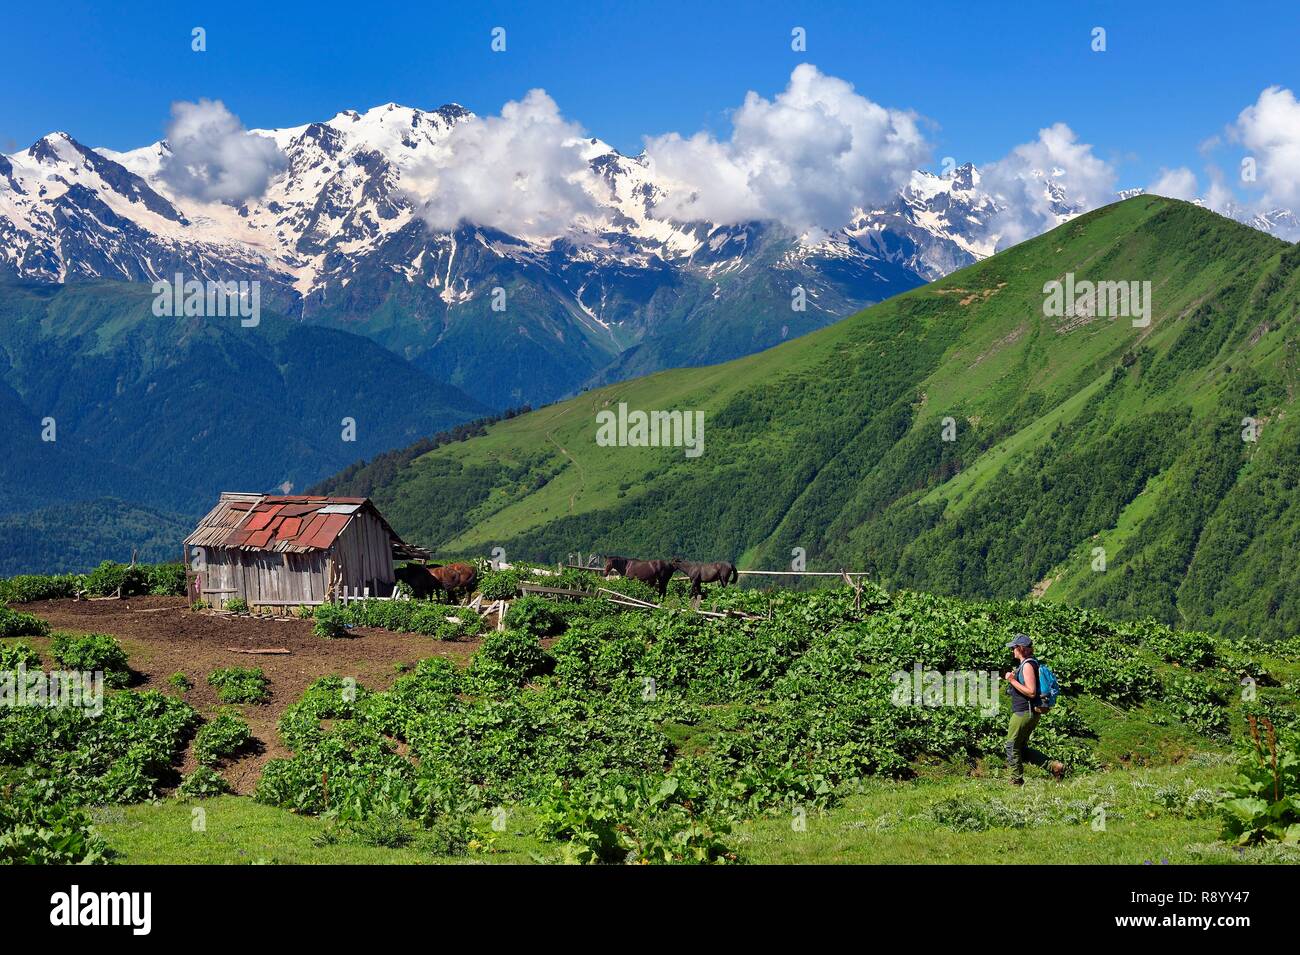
column 1020, row 640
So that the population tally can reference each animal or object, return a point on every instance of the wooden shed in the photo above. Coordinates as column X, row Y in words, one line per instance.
column 292, row 550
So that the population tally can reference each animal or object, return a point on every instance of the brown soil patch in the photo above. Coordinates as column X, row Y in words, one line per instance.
column 171, row 638
column 978, row 295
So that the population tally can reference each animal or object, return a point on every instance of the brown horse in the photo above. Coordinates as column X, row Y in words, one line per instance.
column 720, row 572
column 450, row 579
column 653, row 572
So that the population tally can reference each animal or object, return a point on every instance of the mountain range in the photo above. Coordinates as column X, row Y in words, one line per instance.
column 374, row 316
column 963, row 437
column 337, row 239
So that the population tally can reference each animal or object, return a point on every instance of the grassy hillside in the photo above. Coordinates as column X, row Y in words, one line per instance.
column 1071, row 433
column 167, row 412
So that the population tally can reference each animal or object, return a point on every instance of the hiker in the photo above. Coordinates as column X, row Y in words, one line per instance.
column 1025, row 710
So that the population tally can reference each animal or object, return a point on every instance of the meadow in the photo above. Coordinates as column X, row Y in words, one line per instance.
column 588, row 732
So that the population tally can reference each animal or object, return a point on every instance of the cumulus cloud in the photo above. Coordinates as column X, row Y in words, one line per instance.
column 213, row 158
column 1177, row 183
column 1270, row 131
column 1218, row 196
column 524, row 172
column 1022, row 184
column 806, row 158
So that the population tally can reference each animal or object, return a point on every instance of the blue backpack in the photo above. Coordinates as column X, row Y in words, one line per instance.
column 1048, row 688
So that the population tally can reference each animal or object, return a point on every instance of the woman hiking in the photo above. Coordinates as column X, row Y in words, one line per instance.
column 1023, row 682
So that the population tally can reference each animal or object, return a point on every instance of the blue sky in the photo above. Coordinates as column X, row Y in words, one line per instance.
column 988, row 75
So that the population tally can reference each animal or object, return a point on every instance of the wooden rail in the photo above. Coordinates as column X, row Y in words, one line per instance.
column 559, row 591
column 806, row 573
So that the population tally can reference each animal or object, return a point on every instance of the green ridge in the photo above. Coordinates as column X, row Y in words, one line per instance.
column 832, row 442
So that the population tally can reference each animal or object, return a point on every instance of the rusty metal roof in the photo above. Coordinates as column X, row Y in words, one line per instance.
column 285, row 523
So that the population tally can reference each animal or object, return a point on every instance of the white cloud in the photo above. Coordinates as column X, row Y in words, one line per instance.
column 1177, row 183
column 523, row 172
column 807, row 158
column 214, row 158
column 1021, row 184
column 1270, row 132
column 1218, row 197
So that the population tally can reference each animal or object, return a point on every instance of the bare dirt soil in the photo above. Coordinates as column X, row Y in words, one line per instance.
column 162, row 636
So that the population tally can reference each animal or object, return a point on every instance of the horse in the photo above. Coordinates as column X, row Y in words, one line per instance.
column 450, row 579
column 720, row 572
column 653, row 572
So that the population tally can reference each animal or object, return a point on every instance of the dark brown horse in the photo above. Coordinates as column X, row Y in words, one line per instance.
column 450, row 579
column 720, row 572
column 653, row 572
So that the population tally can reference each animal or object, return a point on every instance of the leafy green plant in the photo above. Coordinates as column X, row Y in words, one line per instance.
column 535, row 615
column 1184, row 647
column 220, row 738
column 240, row 684
column 15, row 623
column 92, row 652
column 113, row 579
column 449, row 834
column 632, row 588
column 124, row 754
column 427, row 617
column 508, row 658
column 41, row 825
column 385, row 829
column 202, row 783
column 641, row 821
column 1198, row 702
column 1263, row 802
column 14, row 655
column 235, row 605
column 180, row 682
column 165, row 580
column 746, row 715
column 499, row 584
column 25, row 588
column 571, row 578
column 332, row 621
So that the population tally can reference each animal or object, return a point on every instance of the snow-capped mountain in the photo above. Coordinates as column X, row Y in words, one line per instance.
column 69, row 213
column 337, row 238
column 936, row 225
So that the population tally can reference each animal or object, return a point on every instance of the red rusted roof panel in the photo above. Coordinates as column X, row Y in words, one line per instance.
column 310, row 525
column 298, row 510
column 284, row 522
column 328, row 530
column 260, row 518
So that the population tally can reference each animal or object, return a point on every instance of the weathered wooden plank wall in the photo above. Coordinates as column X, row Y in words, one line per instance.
column 360, row 557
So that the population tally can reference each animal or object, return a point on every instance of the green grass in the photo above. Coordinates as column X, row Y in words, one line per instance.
column 1145, row 818
column 1152, row 773
column 237, row 830
column 894, row 823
